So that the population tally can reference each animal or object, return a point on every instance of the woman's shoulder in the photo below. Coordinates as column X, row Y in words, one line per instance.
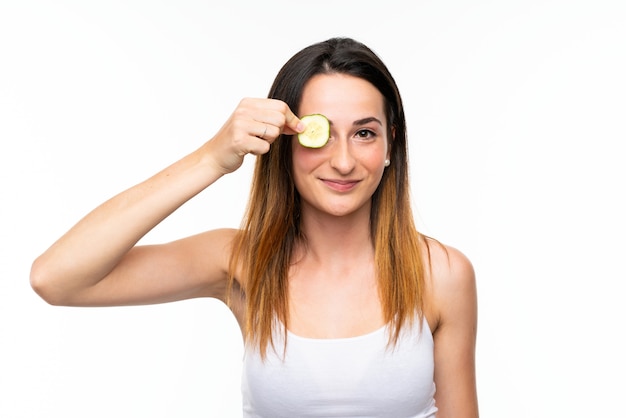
column 447, row 263
column 451, row 280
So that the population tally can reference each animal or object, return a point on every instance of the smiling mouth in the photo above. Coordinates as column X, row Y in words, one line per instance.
column 340, row 185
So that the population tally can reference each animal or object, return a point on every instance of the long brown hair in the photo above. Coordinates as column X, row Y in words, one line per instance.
column 264, row 247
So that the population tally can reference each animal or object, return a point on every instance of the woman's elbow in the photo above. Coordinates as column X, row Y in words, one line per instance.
column 42, row 282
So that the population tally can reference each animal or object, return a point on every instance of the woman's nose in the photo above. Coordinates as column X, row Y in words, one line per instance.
column 342, row 158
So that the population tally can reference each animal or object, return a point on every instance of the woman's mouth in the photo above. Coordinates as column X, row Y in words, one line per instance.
column 340, row 185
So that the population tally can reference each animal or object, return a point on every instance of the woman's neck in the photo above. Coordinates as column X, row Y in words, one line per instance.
column 333, row 239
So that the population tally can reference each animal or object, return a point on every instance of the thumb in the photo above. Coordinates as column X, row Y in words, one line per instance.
column 293, row 125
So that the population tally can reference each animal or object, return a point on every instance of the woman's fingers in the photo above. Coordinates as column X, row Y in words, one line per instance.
column 269, row 132
column 276, row 114
column 293, row 125
column 252, row 127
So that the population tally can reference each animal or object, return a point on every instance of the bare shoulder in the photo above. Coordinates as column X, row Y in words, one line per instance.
column 451, row 281
column 449, row 266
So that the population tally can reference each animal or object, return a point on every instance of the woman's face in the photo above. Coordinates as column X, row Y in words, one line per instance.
column 340, row 178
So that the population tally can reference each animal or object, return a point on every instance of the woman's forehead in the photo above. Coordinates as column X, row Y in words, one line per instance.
column 342, row 98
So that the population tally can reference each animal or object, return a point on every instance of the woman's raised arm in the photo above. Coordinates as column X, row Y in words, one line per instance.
column 97, row 263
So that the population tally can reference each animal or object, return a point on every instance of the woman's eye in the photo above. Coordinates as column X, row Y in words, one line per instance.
column 365, row 134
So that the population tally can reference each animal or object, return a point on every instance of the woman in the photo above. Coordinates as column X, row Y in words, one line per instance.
column 345, row 308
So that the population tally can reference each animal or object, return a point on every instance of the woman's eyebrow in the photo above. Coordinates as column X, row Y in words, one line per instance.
column 365, row 121
column 360, row 122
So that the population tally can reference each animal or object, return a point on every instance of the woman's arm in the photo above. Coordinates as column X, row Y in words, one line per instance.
column 455, row 305
column 96, row 262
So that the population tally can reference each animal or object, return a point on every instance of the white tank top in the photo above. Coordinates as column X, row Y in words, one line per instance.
column 346, row 377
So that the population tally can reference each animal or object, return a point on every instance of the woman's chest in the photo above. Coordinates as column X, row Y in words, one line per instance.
column 334, row 308
column 345, row 377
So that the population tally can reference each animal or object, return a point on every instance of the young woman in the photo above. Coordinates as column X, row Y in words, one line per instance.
column 345, row 308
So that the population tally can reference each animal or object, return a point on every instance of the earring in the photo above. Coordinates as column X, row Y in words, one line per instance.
column 387, row 162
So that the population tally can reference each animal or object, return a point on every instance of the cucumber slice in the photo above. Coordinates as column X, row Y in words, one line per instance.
column 316, row 131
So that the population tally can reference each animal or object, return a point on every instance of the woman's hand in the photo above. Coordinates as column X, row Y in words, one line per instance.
column 251, row 129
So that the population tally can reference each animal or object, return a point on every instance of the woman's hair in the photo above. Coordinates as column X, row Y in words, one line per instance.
column 265, row 245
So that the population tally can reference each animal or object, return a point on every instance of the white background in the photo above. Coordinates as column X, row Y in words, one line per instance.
column 516, row 114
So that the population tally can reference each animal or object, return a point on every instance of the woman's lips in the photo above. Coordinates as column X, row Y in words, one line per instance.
column 340, row 185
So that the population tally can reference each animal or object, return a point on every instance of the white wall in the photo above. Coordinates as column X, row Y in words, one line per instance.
column 516, row 115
